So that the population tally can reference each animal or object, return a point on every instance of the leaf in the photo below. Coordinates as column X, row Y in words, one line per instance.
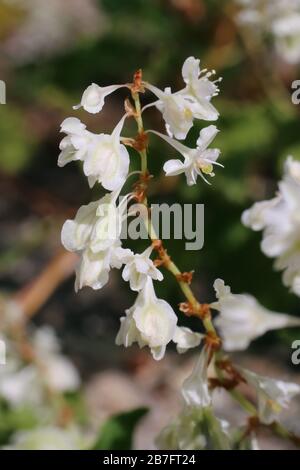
column 117, row 432
column 12, row 419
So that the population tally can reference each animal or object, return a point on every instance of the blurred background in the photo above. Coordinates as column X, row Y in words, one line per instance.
column 50, row 52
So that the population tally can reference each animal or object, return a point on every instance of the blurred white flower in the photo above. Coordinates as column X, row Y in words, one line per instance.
column 19, row 385
column 47, row 438
column 242, row 318
column 138, row 268
column 11, row 313
column 183, row 433
column 24, row 384
column 286, row 30
column 279, row 219
column 198, row 161
column 272, row 395
column 95, row 235
column 192, row 102
column 195, row 388
column 151, row 321
column 276, row 19
column 186, row 339
column 195, row 428
column 45, row 29
column 94, row 96
column 58, row 371
column 104, row 158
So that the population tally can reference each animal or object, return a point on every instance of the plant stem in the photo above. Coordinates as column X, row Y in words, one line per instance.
column 170, row 265
column 139, row 120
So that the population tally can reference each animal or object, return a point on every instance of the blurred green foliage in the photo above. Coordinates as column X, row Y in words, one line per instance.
column 117, row 432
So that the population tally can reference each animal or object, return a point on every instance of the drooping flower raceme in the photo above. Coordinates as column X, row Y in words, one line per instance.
column 242, row 319
column 272, row 395
column 95, row 234
column 192, row 102
column 279, row 218
column 105, row 159
column 198, row 161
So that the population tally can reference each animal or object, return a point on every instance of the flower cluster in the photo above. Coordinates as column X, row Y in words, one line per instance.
column 279, row 19
column 279, row 220
column 95, row 234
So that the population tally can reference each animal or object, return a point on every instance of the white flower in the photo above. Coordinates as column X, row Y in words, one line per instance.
column 193, row 102
column 47, row 438
column 138, row 268
column 104, row 158
column 272, row 395
column 19, row 385
column 95, row 234
column 195, row 388
column 75, row 144
column 242, row 318
column 151, row 321
column 198, row 161
column 199, row 87
column 290, row 263
column 186, row 339
column 279, row 219
column 177, row 111
column 93, row 269
column 93, row 97
column 97, row 225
